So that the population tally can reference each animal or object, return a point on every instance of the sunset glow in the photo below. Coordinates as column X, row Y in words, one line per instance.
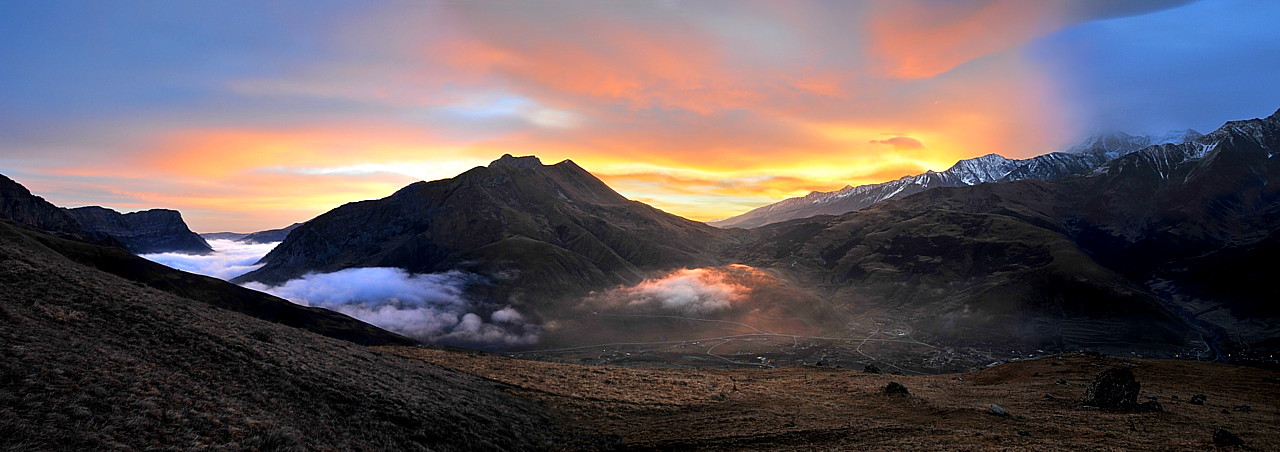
column 249, row 116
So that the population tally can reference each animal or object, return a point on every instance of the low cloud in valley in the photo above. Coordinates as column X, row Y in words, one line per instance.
column 432, row 307
column 228, row 260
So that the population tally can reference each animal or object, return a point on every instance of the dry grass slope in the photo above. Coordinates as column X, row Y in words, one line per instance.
column 818, row 408
column 92, row 361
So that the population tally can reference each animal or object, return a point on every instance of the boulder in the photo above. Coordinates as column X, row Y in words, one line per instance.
column 1222, row 437
column 1114, row 389
column 997, row 410
column 895, row 388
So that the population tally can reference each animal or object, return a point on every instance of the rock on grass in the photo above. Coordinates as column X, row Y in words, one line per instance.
column 1114, row 389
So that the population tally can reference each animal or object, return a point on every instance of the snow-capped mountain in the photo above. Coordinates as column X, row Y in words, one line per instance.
column 1176, row 137
column 1115, row 144
column 987, row 168
column 1084, row 158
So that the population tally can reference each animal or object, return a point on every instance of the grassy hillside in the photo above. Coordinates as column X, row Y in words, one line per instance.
column 95, row 361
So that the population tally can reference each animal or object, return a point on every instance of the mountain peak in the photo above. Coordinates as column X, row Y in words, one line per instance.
column 1176, row 137
column 525, row 162
column 1112, row 144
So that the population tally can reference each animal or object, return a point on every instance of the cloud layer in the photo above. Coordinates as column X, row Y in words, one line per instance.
column 431, row 307
column 697, row 292
column 228, row 260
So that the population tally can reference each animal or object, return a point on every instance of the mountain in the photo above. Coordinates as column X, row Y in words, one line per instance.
column 97, row 361
column 987, row 168
column 151, row 231
column 1121, row 257
column 1111, row 145
column 21, row 206
column 270, row 235
column 961, row 275
column 116, row 261
column 1055, row 165
column 1176, row 137
column 1115, row 144
column 223, row 235
column 267, row 236
column 540, row 230
column 145, row 232
column 1080, row 159
column 1158, row 243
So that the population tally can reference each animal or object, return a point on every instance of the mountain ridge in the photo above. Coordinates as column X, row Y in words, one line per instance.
column 1082, row 158
column 544, row 230
column 142, row 232
column 1155, row 224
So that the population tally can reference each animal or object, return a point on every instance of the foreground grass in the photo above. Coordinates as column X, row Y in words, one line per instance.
column 807, row 407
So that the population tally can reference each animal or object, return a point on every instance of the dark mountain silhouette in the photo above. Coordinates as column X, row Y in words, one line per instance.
column 267, row 236
column 152, row 231
column 545, row 230
column 24, row 208
column 148, row 231
column 223, row 235
column 270, row 235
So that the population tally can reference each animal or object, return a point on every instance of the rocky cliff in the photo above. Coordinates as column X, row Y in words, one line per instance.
column 18, row 204
column 149, row 231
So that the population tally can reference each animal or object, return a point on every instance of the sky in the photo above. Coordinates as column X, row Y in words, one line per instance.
column 248, row 116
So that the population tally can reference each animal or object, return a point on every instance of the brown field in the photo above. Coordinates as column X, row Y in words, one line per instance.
column 818, row 408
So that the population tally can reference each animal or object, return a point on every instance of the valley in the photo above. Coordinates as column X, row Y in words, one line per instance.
column 673, row 225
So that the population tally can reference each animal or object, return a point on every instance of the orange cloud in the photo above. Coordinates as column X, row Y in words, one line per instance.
column 901, row 143
column 617, row 61
column 223, row 152
column 701, row 112
column 917, row 39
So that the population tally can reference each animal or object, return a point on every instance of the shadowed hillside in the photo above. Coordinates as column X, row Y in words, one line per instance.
column 94, row 361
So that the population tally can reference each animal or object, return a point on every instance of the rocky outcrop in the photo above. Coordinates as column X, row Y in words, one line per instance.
column 19, row 205
column 149, row 231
